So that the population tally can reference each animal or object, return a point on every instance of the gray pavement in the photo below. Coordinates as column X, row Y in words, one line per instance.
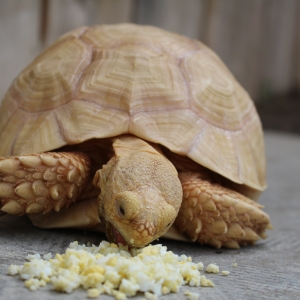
column 268, row 270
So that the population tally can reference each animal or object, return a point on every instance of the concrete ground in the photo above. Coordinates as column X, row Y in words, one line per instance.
column 268, row 270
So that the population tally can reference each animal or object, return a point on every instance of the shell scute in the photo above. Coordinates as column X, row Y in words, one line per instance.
column 183, row 124
column 50, row 80
column 216, row 95
column 134, row 83
column 77, row 127
column 131, row 37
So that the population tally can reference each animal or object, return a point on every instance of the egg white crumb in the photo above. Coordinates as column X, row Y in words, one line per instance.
column 112, row 269
column 119, row 295
column 150, row 296
column 225, row 273
column 47, row 256
column 212, row 268
column 14, row 269
column 192, row 296
column 206, row 282
column 234, row 265
column 93, row 293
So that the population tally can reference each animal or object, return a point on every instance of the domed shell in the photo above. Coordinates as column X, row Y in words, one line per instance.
column 103, row 81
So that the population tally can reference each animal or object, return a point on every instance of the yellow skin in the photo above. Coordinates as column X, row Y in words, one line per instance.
column 137, row 194
column 140, row 192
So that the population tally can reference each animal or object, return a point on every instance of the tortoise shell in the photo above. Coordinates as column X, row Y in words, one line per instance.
column 108, row 80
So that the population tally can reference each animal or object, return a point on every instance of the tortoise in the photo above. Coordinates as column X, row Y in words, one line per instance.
column 138, row 132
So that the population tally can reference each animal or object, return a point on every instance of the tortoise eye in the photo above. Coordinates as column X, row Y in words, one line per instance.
column 122, row 211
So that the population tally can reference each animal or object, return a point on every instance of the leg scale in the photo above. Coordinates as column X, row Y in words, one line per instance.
column 215, row 215
column 39, row 183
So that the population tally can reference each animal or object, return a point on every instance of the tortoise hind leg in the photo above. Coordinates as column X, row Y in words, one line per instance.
column 215, row 215
column 39, row 183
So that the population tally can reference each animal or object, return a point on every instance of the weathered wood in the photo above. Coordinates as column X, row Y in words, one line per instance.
column 19, row 38
column 69, row 14
column 234, row 33
column 258, row 40
column 296, row 56
column 183, row 17
column 279, row 28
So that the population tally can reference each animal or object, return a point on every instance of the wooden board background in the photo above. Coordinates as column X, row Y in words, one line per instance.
column 259, row 40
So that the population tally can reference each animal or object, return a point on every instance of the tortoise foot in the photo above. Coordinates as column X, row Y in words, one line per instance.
column 215, row 215
column 39, row 183
column 82, row 214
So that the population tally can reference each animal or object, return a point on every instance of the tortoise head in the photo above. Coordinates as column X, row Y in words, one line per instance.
column 140, row 193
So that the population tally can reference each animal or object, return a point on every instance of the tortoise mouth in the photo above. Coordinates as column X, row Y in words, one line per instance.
column 118, row 238
column 114, row 236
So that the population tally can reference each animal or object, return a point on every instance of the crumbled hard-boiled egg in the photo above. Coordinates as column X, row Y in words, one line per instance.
column 93, row 293
column 212, row 268
column 111, row 269
column 150, row 296
column 192, row 296
column 225, row 273
column 206, row 282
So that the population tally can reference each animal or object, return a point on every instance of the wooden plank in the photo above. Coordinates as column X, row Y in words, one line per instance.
column 19, row 42
column 69, row 14
column 256, row 41
column 183, row 17
column 234, row 33
column 280, row 29
column 296, row 56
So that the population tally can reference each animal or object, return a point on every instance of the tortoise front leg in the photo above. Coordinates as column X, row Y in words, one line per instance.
column 39, row 183
column 215, row 215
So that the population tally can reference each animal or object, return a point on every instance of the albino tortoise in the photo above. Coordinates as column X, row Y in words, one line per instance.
column 145, row 127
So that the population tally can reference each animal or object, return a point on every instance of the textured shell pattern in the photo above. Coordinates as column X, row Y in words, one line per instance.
column 109, row 80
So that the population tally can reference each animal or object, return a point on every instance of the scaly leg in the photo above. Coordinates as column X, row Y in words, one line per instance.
column 39, row 183
column 215, row 215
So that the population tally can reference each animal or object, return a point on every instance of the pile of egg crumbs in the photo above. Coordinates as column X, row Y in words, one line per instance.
column 111, row 269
